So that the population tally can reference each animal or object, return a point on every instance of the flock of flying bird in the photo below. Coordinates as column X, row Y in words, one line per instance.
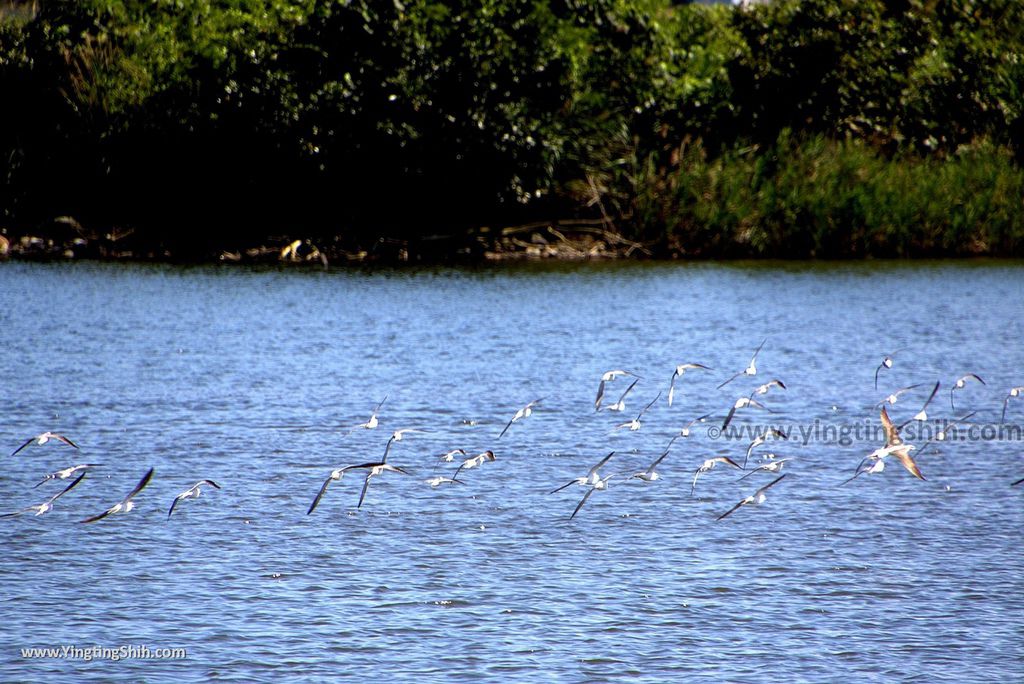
column 592, row 481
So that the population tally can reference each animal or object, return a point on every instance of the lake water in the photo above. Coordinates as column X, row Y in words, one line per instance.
column 253, row 378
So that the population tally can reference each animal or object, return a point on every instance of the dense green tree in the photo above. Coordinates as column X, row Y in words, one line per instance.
column 208, row 123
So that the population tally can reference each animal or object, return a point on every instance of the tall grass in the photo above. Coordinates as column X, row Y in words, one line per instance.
column 833, row 199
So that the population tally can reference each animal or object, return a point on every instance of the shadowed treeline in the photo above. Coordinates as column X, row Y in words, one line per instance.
column 815, row 128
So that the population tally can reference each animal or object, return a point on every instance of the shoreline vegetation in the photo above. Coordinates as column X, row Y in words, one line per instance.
column 328, row 132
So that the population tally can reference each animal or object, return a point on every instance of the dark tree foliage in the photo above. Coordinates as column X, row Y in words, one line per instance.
column 210, row 123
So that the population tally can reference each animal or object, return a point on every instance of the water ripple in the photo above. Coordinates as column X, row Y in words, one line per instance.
column 254, row 378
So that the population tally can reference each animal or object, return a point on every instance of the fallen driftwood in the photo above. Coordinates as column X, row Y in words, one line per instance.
column 574, row 240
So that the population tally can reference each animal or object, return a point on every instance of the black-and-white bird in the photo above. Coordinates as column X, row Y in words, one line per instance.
column 620, row 405
column 524, row 412
column 960, row 383
column 375, row 471
column 474, row 462
column 870, row 466
column 709, row 464
column 770, row 433
column 886, row 364
column 191, row 493
column 373, row 421
column 763, row 389
column 66, row 472
column 396, row 436
column 47, row 505
column 440, row 480
column 591, row 478
column 772, row 467
column 449, row 456
column 606, row 377
column 336, row 475
column 635, row 424
column 610, row 376
column 1014, row 392
column 651, row 474
column 43, row 439
column 757, row 498
column 894, row 397
column 922, row 415
column 742, row 403
column 685, row 430
column 124, row 505
column 679, row 372
column 600, row 485
column 751, row 368
column 942, row 434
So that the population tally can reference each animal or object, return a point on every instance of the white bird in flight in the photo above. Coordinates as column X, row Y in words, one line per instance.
column 894, row 397
column 941, row 435
column 126, row 504
column 449, row 456
column 709, row 464
column 440, row 480
column 634, row 424
column 47, row 505
column 960, row 384
column 763, row 389
column 892, row 438
column 396, row 436
column 886, row 364
column 375, row 471
column 591, row 478
column 620, row 405
column 679, row 371
column 1014, row 392
column 922, row 415
column 336, row 475
column 751, row 368
column 685, row 430
column 43, row 439
column 191, row 493
column 773, row 467
column 757, row 498
column 651, row 474
column 741, row 403
column 894, row 446
column 66, row 472
column 524, row 412
column 770, row 433
column 875, row 461
column 600, row 485
column 373, row 422
column 474, row 462
column 606, row 377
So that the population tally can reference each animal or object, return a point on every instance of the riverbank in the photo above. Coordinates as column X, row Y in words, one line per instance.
column 807, row 199
column 558, row 240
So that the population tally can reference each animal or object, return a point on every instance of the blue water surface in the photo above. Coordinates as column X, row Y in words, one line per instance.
column 256, row 379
